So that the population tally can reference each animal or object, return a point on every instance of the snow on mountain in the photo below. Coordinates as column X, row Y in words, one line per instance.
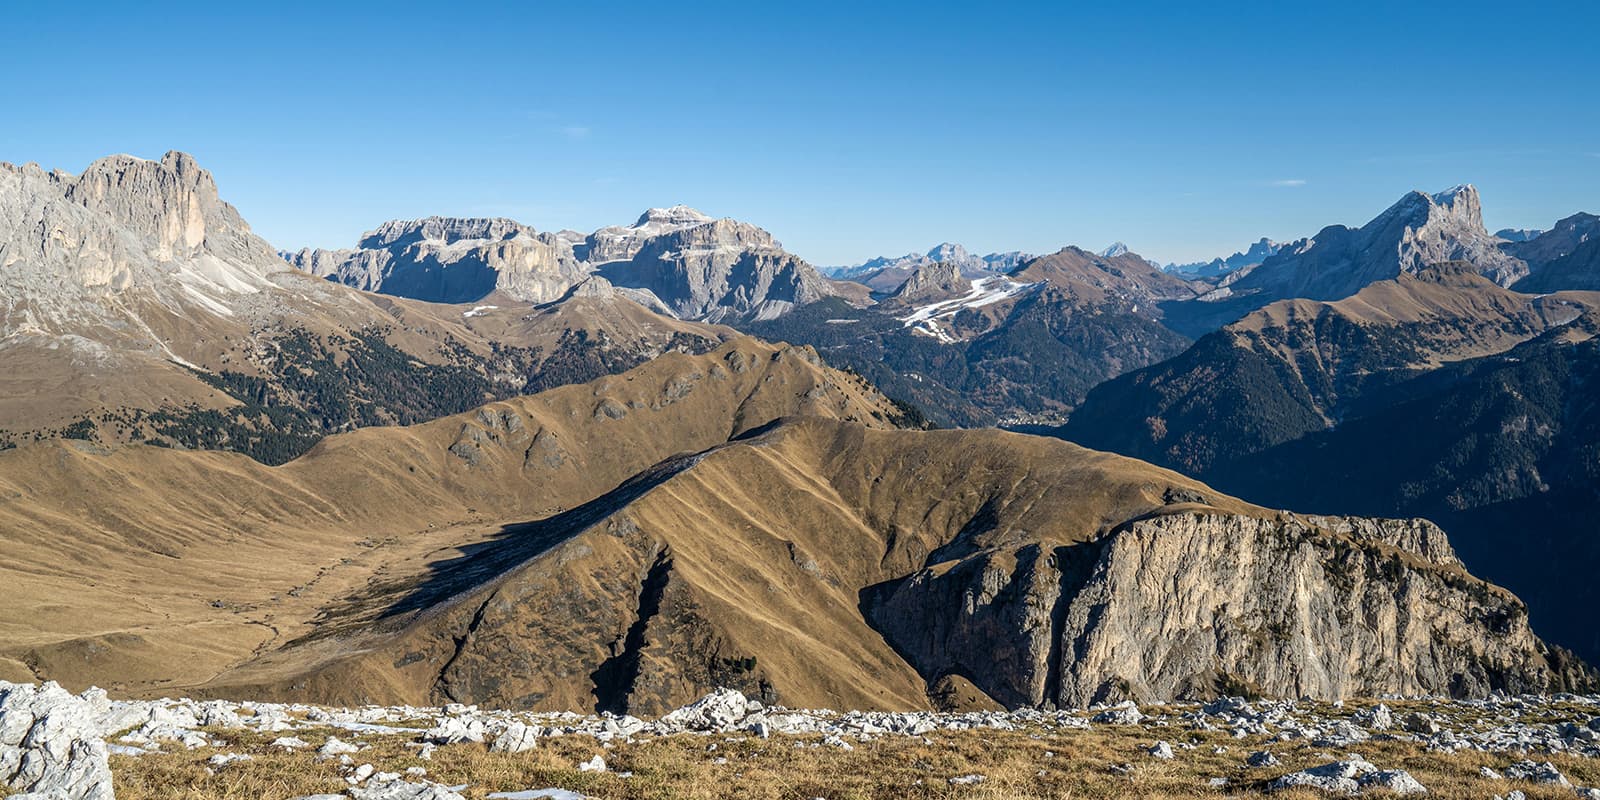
column 985, row 291
column 618, row 243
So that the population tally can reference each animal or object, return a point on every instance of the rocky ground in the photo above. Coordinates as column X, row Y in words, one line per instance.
column 57, row 745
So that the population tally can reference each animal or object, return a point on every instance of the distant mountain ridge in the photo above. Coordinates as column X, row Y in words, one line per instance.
column 885, row 274
column 149, row 311
column 676, row 260
column 1256, row 253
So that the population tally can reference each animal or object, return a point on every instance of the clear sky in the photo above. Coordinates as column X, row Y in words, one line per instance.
column 849, row 130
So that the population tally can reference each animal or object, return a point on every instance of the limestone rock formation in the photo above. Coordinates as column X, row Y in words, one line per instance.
column 936, row 281
column 50, row 744
column 720, row 270
column 675, row 260
column 77, row 249
column 1565, row 257
column 1418, row 231
column 620, row 243
column 451, row 260
column 136, row 305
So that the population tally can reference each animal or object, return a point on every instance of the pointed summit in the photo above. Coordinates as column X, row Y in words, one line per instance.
column 1116, row 249
column 1419, row 230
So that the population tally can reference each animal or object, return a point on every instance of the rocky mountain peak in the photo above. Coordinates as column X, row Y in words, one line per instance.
column 1116, row 249
column 939, row 279
column 443, row 230
column 677, row 216
column 949, row 251
column 173, row 202
column 125, row 223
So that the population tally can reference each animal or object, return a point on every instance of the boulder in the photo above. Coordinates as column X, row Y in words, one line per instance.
column 720, row 710
column 516, row 738
column 50, row 745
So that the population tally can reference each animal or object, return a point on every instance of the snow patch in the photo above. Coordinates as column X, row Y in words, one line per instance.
column 985, row 291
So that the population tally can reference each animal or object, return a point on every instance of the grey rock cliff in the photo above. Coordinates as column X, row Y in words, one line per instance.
column 934, row 281
column 1185, row 604
column 75, row 249
column 674, row 260
column 1418, row 231
column 451, row 260
column 720, row 270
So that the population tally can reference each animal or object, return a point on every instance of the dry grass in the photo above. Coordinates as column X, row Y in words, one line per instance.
column 1041, row 764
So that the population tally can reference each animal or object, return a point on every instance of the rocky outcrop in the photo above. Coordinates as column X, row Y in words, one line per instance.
column 935, row 281
column 720, row 270
column 50, row 743
column 676, row 261
column 620, row 243
column 74, row 248
column 1190, row 604
column 1418, row 231
column 452, row 260
column 1565, row 257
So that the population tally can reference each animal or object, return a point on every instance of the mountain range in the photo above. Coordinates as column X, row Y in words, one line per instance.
column 469, row 461
column 885, row 275
column 147, row 310
column 1220, row 267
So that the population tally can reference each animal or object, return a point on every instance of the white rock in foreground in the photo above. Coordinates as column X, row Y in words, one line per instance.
column 50, row 744
column 716, row 711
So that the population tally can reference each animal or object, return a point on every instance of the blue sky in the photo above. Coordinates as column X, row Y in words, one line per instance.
column 848, row 130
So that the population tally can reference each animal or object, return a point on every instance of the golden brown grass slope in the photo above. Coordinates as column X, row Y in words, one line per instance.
column 743, row 566
column 142, row 568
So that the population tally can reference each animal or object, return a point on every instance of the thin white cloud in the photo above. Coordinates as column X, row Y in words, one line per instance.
column 1287, row 182
column 575, row 132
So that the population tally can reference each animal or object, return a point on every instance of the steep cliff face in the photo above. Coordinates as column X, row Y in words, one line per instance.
column 676, row 260
column 1197, row 603
column 1418, row 231
column 720, row 270
column 620, row 243
column 1565, row 257
column 136, row 305
column 82, row 251
column 937, row 281
column 452, row 260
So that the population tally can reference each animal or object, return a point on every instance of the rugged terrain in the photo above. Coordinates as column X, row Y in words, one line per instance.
column 675, row 260
column 728, row 745
column 1418, row 231
column 1020, row 347
column 631, row 543
column 1301, row 366
column 185, row 563
column 1437, row 395
column 136, row 305
column 885, row 275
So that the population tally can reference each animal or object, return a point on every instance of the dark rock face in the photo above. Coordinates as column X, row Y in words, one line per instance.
column 1565, row 257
